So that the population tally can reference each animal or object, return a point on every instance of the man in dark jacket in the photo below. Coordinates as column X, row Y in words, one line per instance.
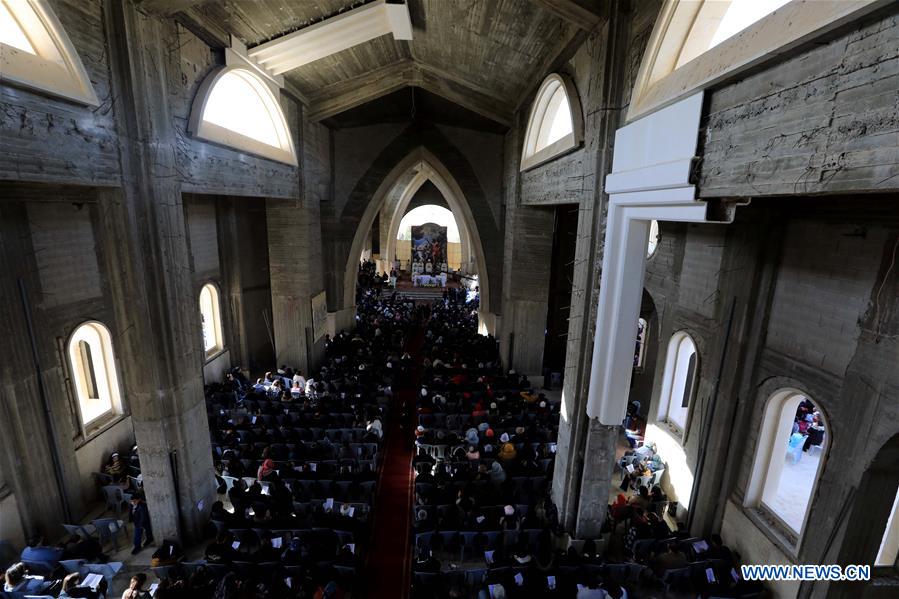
column 140, row 517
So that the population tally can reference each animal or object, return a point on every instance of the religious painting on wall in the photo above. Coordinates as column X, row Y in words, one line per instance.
column 319, row 316
column 429, row 248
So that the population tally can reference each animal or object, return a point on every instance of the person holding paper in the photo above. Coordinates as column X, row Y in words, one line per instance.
column 135, row 588
column 220, row 550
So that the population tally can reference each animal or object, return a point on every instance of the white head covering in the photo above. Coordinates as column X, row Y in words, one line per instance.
column 504, row 437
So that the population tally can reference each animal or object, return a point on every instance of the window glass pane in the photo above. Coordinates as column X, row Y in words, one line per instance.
column 682, row 381
column 653, row 238
column 235, row 104
column 11, row 32
column 640, row 350
column 560, row 120
column 87, row 368
column 208, row 317
column 92, row 363
column 740, row 15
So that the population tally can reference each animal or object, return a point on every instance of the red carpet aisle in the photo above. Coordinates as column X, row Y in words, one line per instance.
column 388, row 569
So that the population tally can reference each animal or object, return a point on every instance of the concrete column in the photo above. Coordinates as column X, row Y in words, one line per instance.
column 527, row 257
column 291, row 307
column 595, row 479
column 159, row 345
column 584, row 461
column 230, row 244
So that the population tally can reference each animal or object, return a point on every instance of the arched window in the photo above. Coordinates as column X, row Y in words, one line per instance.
column 889, row 546
column 94, row 376
column 653, row 242
column 788, row 459
column 236, row 108
column 36, row 53
column 555, row 124
column 640, row 351
column 679, row 382
column 211, row 318
column 743, row 33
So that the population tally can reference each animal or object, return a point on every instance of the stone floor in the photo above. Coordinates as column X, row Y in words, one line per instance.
column 795, row 488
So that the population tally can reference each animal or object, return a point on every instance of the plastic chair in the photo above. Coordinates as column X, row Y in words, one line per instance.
column 115, row 498
column 72, row 565
column 79, row 530
column 108, row 529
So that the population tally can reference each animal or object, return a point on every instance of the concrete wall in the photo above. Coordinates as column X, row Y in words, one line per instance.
column 803, row 278
column 458, row 151
column 97, row 226
column 823, row 121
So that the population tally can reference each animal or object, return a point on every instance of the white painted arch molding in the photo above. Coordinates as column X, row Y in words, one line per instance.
column 650, row 180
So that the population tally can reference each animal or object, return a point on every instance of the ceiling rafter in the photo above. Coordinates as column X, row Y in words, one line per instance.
column 586, row 14
column 167, row 7
column 347, row 94
column 334, row 35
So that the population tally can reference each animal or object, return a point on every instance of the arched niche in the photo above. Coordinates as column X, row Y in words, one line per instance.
column 412, row 171
column 406, row 192
column 871, row 516
column 774, row 446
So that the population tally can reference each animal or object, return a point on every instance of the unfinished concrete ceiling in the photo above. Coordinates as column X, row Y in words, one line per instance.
column 481, row 54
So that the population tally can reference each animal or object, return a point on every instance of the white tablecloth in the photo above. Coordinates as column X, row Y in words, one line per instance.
column 429, row 280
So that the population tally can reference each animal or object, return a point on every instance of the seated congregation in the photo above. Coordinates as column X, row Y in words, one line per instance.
column 297, row 460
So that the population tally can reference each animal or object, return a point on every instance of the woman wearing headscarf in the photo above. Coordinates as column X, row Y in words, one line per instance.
column 267, row 471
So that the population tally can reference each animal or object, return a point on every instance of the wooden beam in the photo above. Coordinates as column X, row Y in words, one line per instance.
column 167, row 7
column 586, row 14
column 338, row 97
column 204, row 28
column 463, row 93
column 334, row 35
column 561, row 53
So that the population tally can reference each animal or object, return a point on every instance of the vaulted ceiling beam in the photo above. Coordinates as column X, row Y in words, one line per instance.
column 167, row 7
column 342, row 96
column 337, row 98
column 334, row 35
column 586, row 14
column 462, row 93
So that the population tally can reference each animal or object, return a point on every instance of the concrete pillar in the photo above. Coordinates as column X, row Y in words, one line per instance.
column 595, row 479
column 585, row 457
column 159, row 344
column 230, row 245
column 291, row 307
column 527, row 259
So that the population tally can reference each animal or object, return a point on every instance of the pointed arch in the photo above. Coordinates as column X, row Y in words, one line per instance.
column 555, row 125
column 236, row 108
column 426, row 173
column 744, row 34
column 36, row 53
column 419, row 161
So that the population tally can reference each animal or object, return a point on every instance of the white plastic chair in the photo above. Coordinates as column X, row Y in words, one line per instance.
column 108, row 529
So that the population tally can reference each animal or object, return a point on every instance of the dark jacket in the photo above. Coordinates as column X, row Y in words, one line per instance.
column 140, row 515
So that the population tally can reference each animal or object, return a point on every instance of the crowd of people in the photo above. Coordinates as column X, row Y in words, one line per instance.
column 297, row 455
